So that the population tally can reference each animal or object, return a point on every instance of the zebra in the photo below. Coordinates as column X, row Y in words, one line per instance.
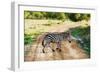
column 55, row 37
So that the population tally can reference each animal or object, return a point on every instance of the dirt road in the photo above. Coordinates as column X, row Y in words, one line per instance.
column 68, row 51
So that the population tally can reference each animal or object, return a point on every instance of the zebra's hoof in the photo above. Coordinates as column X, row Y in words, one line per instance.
column 59, row 50
column 53, row 50
column 69, row 41
column 43, row 51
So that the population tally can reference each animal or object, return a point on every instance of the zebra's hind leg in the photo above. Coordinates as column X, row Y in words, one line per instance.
column 52, row 47
column 43, row 50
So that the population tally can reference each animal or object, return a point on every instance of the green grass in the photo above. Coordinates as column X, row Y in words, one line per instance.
column 27, row 39
column 31, row 38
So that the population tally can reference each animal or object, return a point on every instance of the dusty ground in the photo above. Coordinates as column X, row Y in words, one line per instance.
column 68, row 51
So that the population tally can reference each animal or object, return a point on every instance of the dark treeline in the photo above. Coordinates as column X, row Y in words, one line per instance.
column 56, row 15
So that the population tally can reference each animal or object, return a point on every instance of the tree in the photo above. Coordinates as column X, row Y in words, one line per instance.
column 26, row 14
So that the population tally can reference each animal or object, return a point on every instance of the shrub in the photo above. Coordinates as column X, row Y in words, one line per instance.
column 78, row 17
column 27, row 39
column 84, row 34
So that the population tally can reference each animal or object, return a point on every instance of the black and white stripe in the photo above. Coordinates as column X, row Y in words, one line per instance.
column 55, row 38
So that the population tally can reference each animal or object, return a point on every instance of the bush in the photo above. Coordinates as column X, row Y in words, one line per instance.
column 56, row 15
column 84, row 34
column 78, row 17
column 27, row 39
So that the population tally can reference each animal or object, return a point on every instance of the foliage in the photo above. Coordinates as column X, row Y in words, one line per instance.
column 31, row 38
column 56, row 15
column 27, row 39
column 78, row 17
column 84, row 34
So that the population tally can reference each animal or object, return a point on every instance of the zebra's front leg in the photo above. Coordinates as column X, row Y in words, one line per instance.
column 59, row 46
column 49, row 45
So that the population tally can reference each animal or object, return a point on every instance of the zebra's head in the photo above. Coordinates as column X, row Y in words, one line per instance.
column 68, row 36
